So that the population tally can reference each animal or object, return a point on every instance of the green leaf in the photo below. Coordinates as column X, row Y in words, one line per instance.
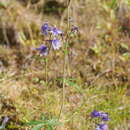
column 4, row 4
column 70, row 83
column 53, row 122
column 113, row 3
column 125, row 57
column 31, row 123
column 125, row 46
column 97, row 49
column 49, row 128
column 66, row 46
column 44, row 123
column 38, row 127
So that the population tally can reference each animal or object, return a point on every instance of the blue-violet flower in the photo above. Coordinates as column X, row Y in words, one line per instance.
column 43, row 50
column 102, row 127
column 56, row 32
column 104, row 116
column 95, row 114
column 56, row 44
column 45, row 28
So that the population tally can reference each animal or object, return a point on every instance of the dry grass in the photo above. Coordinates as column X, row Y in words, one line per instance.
column 98, row 64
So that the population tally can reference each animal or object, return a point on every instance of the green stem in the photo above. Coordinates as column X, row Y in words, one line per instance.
column 63, row 85
column 46, row 73
column 65, row 62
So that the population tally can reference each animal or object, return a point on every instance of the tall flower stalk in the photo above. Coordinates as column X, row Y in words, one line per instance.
column 57, row 39
column 66, row 42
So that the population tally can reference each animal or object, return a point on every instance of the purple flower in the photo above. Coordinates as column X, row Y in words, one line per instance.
column 102, row 127
column 56, row 44
column 5, row 120
column 104, row 116
column 45, row 28
column 43, row 50
column 95, row 114
column 56, row 32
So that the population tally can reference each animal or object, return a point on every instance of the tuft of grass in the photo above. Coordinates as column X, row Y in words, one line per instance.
column 45, row 122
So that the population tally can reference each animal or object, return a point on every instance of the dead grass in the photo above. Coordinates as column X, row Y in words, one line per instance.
column 98, row 64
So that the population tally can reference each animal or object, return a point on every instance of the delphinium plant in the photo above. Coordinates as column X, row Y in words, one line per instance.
column 102, row 118
column 53, row 42
column 57, row 39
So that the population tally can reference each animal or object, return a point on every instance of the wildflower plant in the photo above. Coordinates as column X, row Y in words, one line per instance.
column 56, row 40
column 43, row 50
column 53, row 34
column 102, row 118
column 4, row 122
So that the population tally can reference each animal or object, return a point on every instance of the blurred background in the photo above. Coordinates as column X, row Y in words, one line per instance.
column 99, row 58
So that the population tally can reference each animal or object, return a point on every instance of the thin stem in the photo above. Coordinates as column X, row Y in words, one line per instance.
column 46, row 75
column 113, row 62
column 63, row 85
column 65, row 63
column 67, row 39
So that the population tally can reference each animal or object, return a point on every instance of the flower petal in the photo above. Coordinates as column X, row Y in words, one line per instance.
column 43, row 50
column 56, row 44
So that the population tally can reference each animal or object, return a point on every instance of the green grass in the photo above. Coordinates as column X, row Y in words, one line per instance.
column 61, row 91
column 77, row 106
